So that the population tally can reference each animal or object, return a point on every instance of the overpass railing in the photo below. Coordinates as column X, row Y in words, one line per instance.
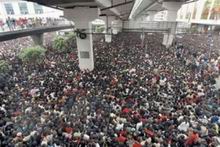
column 30, row 23
column 151, row 25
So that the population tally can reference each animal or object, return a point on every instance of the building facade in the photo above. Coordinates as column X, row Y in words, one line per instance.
column 22, row 9
column 205, row 12
column 160, row 16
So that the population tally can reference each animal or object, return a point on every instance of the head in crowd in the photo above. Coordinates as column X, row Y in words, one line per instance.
column 135, row 97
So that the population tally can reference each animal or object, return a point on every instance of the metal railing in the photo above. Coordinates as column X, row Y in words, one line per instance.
column 31, row 23
column 152, row 25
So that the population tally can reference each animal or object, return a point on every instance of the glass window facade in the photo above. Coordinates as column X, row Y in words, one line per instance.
column 205, row 12
column 200, row 10
column 215, row 11
column 38, row 9
column 23, row 8
column 9, row 9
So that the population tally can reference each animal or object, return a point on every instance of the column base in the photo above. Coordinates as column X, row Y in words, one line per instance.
column 108, row 38
column 115, row 31
column 168, row 40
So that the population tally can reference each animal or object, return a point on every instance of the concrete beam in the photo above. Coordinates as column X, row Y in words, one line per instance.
column 107, row 3
column 28, row 32
column 172, row 9
column 117, row 5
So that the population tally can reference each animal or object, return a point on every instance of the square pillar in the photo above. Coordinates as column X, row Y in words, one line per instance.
column 117, row 26
column 82, row 17
column 108, row 21
column 108, row 38
column 151, row 15
column 38, row 39
column 165, row 39
column 172, row 9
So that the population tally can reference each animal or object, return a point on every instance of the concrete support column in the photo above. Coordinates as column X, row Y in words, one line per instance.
column 172, row 9
column 165, row 39
column 108, row 22
column 108, row 38
column 168, row 39
column 151, row 15
column 117, row 26
column 82, row 17
column 38, row 39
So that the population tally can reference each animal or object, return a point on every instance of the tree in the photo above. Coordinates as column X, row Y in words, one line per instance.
column 100, row 29
column 71, row 41
column 65, row 43
column 4, row 66
column 32, row 55
column 59, row 44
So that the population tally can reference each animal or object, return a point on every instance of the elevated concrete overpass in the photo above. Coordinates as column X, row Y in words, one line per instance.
column 119, row 8
column 151, row 7
column 35, row 33
column 114, row 13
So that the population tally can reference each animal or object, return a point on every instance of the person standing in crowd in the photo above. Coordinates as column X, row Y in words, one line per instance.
column 135, row 97
column 22, row 23
column 2, row 25
column 9, row 23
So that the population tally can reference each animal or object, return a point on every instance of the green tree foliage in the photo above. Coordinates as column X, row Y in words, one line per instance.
column 65, row 44
column 71, row 36
column 60, row 44
column 71, row 41
column 32, row 55
column 100, row 29
column 4, row 66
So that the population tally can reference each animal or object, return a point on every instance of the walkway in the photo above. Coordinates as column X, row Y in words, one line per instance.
column 29, row 32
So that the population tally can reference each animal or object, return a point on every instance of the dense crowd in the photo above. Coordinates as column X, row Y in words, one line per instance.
column 10, row 49
column 11, row 24
column 135, row 97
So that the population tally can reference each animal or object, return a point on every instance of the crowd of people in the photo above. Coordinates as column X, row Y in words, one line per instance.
column 135, row 97
column 10, row 49
column 11, row 24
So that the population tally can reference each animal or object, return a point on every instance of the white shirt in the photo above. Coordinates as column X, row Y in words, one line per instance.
column 183, row 126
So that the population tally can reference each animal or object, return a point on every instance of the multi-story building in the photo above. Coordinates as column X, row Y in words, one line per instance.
column 205, row 14
column 19, row 9
column 160, row 16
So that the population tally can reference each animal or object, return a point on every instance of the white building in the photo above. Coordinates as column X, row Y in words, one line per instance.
column 23, row 9
column 160, row 16
column 205, row 12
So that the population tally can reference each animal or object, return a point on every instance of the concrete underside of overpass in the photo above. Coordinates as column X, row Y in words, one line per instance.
column 32, row 32
column 114, row 13
column 118, row 8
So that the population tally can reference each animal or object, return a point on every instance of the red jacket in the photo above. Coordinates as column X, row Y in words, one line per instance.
column 137, row 144
column 121, row 139
column 192, row 139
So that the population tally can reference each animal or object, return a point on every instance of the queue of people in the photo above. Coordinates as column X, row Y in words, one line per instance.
column 135, row 97
column 12, row 24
